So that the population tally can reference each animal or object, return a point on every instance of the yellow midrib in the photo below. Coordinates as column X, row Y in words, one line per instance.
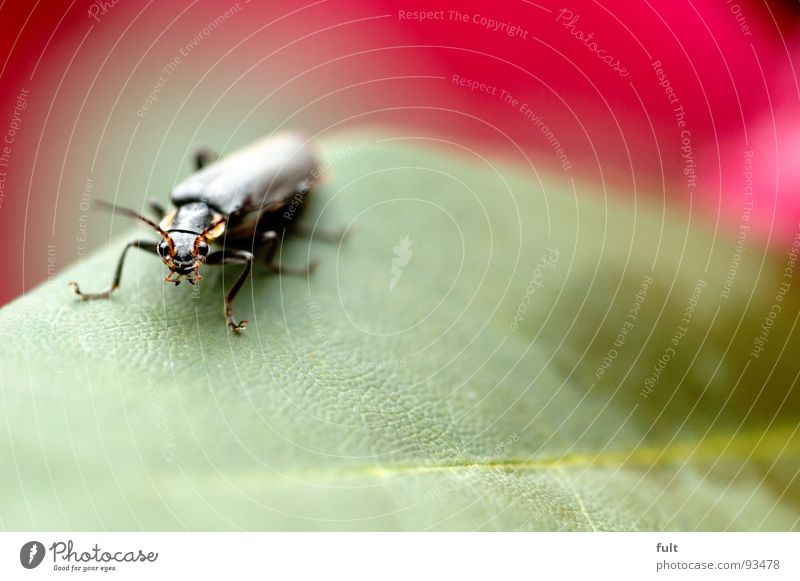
column 759, row 446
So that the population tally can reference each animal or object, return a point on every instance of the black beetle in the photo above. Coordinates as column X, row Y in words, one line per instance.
column 245, row 199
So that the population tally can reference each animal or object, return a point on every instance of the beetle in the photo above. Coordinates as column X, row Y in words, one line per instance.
column 245, row 200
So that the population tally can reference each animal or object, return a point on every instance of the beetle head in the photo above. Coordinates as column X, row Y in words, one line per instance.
column 183, row 253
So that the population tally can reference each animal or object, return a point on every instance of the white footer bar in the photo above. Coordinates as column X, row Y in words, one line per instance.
column 400, row 556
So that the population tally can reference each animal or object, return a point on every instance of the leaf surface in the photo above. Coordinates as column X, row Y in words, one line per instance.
column 442, row 369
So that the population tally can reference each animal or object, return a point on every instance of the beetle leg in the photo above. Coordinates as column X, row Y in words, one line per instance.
column 233, row 257
column 143, row 244
column 203, row 156
column 270, row 239
column 157, row 209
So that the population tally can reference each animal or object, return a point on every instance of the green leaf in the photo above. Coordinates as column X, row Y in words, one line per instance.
column 471, row 393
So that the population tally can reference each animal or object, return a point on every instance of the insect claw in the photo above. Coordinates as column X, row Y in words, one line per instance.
column 194, row 278
column 74, row 286
column 89, row 297
column 237, row 327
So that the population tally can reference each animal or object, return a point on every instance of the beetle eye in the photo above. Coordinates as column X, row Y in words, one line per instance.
column 202, row 249
column 163, row 249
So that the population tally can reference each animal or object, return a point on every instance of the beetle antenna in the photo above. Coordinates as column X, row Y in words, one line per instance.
column 109, row 207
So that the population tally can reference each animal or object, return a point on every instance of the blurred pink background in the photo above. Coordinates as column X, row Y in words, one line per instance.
column 107, row 100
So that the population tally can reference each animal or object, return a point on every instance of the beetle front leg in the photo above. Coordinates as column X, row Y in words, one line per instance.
column 143, row 244
column 233, row 257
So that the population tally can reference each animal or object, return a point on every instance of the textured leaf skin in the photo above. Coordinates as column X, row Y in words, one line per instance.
column 347, row 405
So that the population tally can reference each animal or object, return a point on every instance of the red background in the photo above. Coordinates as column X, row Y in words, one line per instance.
column 325, row 66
